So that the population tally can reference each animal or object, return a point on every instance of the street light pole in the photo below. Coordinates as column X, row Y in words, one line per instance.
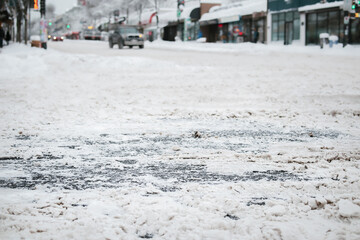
column 157, row 19
column 29, row 20
column 43, row 30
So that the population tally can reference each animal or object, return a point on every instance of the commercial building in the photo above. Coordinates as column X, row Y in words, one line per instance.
column 302, row 21
column 240, row 22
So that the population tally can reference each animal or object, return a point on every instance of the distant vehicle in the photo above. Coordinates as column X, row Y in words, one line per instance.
column 126, row 35
column 57, row 38
column 73, row 35
column 92, row 34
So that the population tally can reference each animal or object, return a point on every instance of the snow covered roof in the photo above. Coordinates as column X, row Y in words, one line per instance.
column 235, row 10
column 321, row 6
column 211, row 1
column 165, row 16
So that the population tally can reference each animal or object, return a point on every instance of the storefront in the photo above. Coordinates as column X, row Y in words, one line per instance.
column 170, row 31
column 303, row 21
column 210, row 30
column 322, row 18
column 354, row 33
column 227, row 29
column 259, row 27
column 325, row 21
column 285, row 27
column 191, row 25
column 236, row 23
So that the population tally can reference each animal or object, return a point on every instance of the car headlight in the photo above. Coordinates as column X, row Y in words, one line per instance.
column 140, row 35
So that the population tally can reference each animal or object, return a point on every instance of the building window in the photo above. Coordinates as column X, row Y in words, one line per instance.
column 355, row 31
column 274, row 27
column 334, row 24
column 296, row 26
column 322, row 19
column 323, row 22
column 281, row 22
column 311, row 36
column 281, row 31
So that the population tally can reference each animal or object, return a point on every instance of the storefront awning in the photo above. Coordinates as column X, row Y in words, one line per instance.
column 210, row 22
column 232, row 12
column 195, row 14
column 319, row 6
column 229, row 19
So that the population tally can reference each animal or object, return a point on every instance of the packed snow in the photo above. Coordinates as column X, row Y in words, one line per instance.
column 179, row 141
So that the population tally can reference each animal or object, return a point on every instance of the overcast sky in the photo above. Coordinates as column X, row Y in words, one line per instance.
column 62, row 6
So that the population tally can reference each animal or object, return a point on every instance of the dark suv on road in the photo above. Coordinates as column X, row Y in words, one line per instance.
column 126, row 36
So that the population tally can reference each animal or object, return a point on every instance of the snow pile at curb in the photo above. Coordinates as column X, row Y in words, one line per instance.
column 258, row 49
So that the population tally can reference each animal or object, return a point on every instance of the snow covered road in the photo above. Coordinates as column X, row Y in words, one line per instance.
column 179, row 141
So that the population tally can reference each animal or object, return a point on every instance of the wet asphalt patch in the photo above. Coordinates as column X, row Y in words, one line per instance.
column 111, row 160
column 90, row 177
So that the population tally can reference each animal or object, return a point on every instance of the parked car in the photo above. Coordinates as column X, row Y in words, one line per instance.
column 126, row 35
column 57, row 38
column 92, row 34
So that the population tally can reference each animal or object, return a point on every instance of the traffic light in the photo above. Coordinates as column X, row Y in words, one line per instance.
column 181, row 4
column 68, row 26
column 36, row 5
column 42, row 7
column 355, row 6
column 50, row 24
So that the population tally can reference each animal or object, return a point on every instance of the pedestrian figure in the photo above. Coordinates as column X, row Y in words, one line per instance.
column 2, row 35
column 256, row 35
column 7, row 37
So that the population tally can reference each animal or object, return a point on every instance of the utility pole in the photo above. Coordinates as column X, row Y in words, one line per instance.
column 43, row 29
column 347, row 9
column 180, row 8
column 157, row 19
column 29, row 19
column 26, row 17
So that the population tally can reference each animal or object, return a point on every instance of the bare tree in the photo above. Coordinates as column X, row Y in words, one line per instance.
column 19, row 16
column 25, row 9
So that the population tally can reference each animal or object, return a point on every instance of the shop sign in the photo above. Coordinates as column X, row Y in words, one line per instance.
column 229, row 19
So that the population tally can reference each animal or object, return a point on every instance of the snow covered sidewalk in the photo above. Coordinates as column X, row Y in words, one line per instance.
column 178, row 141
